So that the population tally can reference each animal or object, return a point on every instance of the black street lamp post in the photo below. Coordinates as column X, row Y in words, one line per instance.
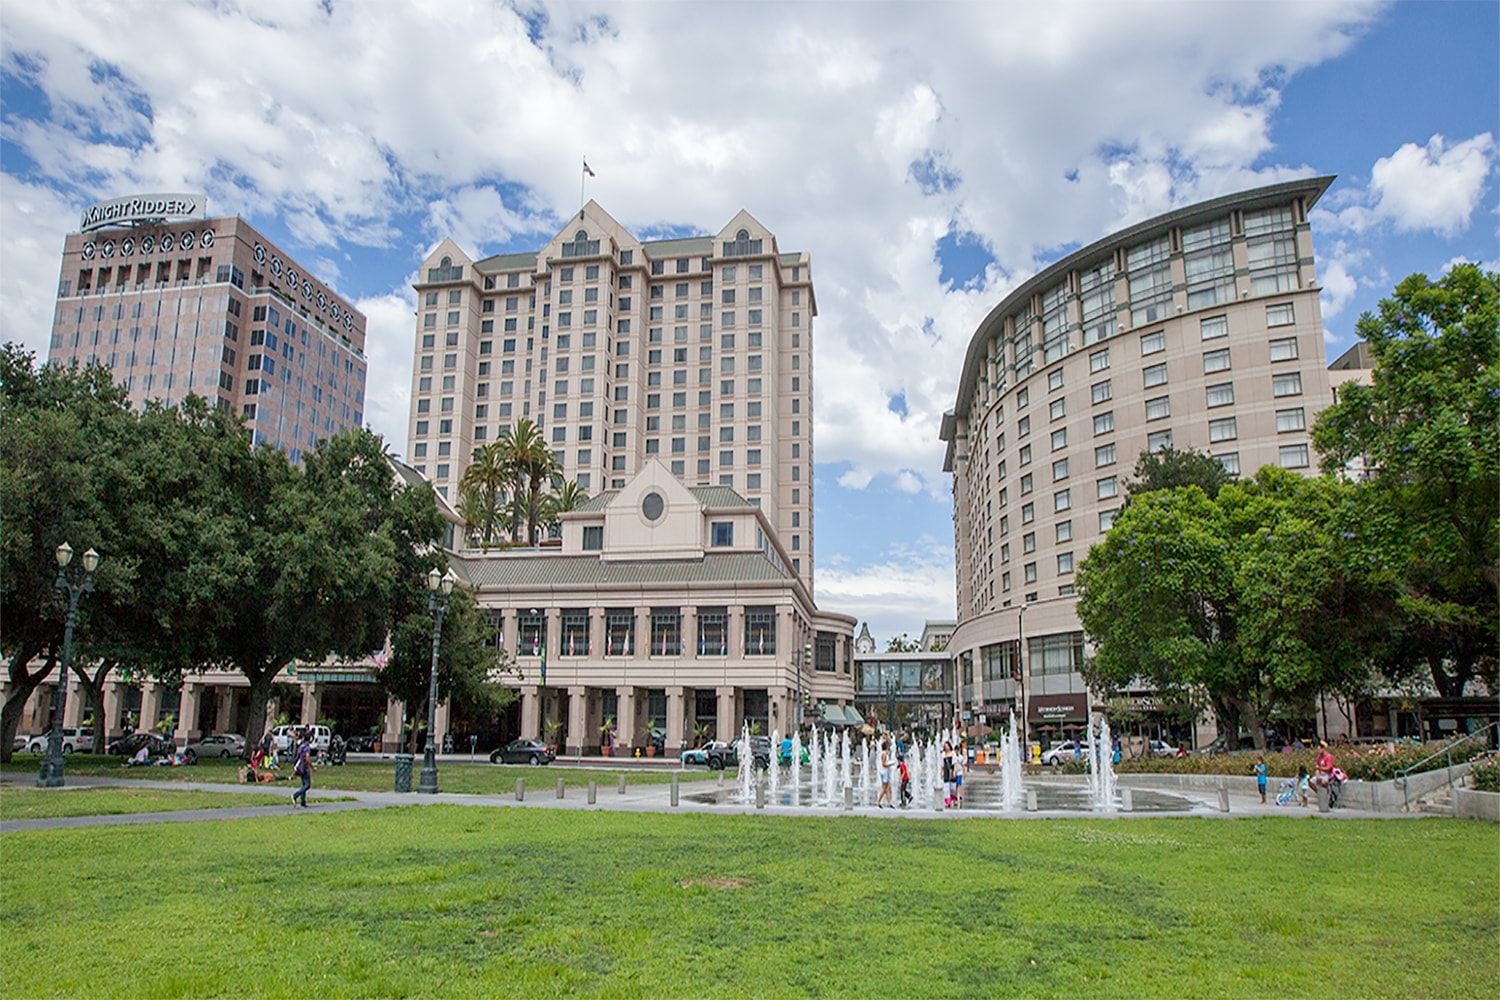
column 439, row 586
column 51, row 774
column 1021, row 664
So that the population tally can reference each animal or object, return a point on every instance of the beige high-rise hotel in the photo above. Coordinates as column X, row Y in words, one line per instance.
column 1198, row 329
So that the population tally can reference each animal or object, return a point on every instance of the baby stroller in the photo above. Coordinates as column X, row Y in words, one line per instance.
column 1335, row 784
column 905, row 784
column 1287, row 796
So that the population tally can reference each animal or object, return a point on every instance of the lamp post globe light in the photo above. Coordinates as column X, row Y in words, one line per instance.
column 51, row 774
column 439, row 587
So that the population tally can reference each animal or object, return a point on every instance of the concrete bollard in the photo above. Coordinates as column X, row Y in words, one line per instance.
column 1031, row 800
column 937, row 801
column 593, row 792
column 1223, row 800
column 560, row 787
column 622, row 784
column 520, row 789
column 1127, row 800
column 674, row 791
column 1323, row 804
column 848, row 797
column 760, row 796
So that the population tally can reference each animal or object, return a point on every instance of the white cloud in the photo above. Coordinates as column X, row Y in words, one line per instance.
column 1336, row 274
column 1434, row 187
column 895, row 594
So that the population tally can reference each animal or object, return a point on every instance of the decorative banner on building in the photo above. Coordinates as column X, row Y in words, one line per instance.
column 143, row 208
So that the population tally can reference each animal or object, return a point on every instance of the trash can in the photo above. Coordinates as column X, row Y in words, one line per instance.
column 403, row 772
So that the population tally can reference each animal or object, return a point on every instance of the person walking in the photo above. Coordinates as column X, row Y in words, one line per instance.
column 948, row 774
column 1260, row 778
column 303, row 768
column 884, row 798
column 905, row 780
column 959, row 760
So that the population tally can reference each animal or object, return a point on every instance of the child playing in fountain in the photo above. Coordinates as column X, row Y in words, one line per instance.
column 905, row 781
column 959, row 759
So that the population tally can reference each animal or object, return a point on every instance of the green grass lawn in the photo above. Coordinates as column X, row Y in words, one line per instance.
column 378, row 776
column 456, row 901
column 49, row 803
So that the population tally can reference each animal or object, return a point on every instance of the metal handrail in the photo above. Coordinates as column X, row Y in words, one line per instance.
column 1403, row 774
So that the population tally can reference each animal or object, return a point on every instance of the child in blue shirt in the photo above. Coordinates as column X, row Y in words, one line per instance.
column 1260, row 778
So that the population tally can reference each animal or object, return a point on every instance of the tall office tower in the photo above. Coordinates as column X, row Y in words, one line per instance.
column 696, row 352
column 1198, row 329
column 176, row 303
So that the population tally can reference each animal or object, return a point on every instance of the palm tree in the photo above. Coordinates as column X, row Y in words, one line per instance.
column 527, row 455
column 483, row 489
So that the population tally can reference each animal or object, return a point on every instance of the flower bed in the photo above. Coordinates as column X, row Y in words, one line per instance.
column 1364, row 762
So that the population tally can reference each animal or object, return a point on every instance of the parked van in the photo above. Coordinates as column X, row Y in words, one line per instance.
column 285, row 738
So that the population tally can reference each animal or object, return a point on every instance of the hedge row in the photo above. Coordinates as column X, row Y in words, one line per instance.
column 1365, row 762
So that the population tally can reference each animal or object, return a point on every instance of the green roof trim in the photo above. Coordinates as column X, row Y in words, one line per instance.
column 507, row 262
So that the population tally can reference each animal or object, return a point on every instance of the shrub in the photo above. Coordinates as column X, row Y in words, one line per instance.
column 1486, row 774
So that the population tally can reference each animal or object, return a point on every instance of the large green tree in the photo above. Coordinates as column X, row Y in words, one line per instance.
column 1427, row 433
column 1168, row 467
column 60, row 470
column 1253, row 600
column 469, row 672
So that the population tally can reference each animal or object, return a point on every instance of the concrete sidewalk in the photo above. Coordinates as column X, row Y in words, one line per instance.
column 693, row 798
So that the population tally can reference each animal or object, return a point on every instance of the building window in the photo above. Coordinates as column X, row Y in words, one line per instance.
column 619, row 632
column 531, row 633
column 1064, row 562
column 666, row 632
column 1107, row 487
column 1059, row 438
column 1280, row 315
column 1158, row 441
column 1214, row 326
column 1028, row 513
column 1222, row 430
column 1028, row 542
column 1290, row 420
column 1026, row 484
column 1063, row 531
column 1107, row 519
column 721, row 534
column 1294, row 456
column 713, row 632
column 1216, row 361
column 1158, row 408
column 1219, row 395
column 575, row 632
column 1098, row 361
column 1154, row 375
column 1104, row 455
column 1030, row 572
column 1058, row 409
column 760, row 631
column 1152, row 343
column 1062, row 500
column 1102, row 391
column 593, row 534
column 1284, row 349
column 1289, row 384
column 1104, row 422
column 1229, row 462
column 1054, row 380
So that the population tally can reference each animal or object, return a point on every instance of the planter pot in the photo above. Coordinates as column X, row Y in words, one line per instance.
column 651, row 751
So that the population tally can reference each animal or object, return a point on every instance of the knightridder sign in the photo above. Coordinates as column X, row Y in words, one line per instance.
column 140, row 208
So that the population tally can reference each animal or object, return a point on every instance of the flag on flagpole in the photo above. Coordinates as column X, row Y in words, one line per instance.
column 586, row 168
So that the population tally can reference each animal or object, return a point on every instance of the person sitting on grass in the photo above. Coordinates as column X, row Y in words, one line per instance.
column 142, row 757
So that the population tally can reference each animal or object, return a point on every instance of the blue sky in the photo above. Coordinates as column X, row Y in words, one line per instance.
column 929, row 157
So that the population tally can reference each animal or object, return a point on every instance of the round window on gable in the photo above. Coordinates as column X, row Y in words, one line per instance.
column 652, row 506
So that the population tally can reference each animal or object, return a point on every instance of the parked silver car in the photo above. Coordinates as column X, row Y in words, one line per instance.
column 219, row 745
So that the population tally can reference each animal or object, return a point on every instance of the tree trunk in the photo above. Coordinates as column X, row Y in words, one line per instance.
column 1257, row 731
column 23, row 684
column 260, row 693
column 93, row 688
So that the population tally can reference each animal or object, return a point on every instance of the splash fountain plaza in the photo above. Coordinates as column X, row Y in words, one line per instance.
column 841, row 773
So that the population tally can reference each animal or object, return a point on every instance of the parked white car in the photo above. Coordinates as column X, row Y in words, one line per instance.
column 284, row 738
column 72, row 740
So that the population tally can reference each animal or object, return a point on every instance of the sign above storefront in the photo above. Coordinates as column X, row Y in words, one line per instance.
column 143, row 208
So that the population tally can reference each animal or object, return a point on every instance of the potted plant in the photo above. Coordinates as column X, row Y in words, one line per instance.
column 700, row 733
column 554, row 726
column 607, row 736
column 650, row 743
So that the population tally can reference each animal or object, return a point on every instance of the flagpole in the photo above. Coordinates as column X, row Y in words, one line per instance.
column 583, row 176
